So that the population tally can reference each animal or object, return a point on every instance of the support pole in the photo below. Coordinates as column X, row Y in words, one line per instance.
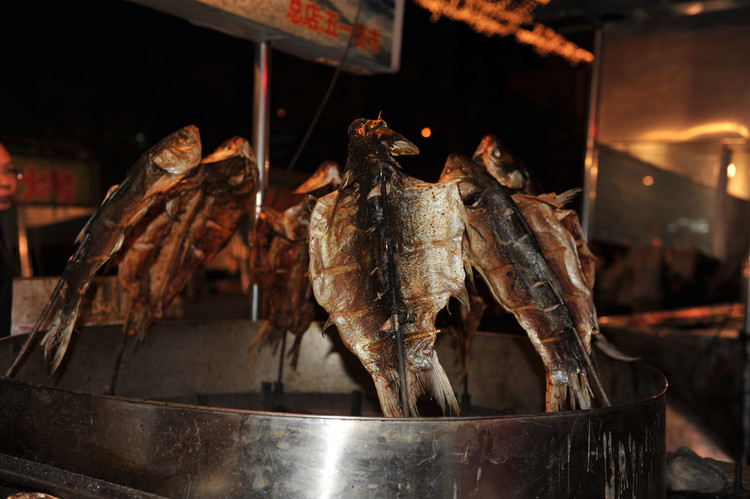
column 261, row 121
column 591, row 162
column 745, row 383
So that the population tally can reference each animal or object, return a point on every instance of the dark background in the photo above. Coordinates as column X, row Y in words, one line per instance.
column 112, row 78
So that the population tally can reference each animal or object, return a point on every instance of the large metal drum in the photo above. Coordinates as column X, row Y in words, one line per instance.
column 194, row 413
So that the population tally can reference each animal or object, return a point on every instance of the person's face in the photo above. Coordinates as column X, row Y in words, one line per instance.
column 8, row 180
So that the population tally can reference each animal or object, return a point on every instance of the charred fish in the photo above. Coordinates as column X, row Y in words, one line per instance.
column 385, row 258
column 155, row 173
column 197, row 220
column 503, row 250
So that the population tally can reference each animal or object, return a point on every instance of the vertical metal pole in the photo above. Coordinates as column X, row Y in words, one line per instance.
column 261, row 123
column 719, row 227
column 591, row 161
column 745, row 402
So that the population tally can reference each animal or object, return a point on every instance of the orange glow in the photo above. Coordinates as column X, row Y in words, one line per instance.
column 731, row 170
column 707, row 130
column 281, row 112
column 426, row 132
column 648, row 180
column 505, row 18
column 656, row 242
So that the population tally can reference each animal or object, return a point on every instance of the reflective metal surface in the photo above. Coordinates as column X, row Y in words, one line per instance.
column 187, row 450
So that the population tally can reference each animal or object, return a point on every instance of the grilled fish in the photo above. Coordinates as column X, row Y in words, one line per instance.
column 280, row 262
column 385, row 258
column 190, row 228
column 155, row 173
column 513, row 174
column 559, row 232
column 502, row 249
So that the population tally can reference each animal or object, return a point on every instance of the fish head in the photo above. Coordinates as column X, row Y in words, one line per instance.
column 239, row 148
column 501, row 163
column 375, row 135
column 468, row 174
column 327, row 174
column 179, row 152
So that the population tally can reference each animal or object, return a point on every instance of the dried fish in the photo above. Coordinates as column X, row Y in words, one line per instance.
column 155, row 173
column 186, row 232
column 385, row 258
column 505, row 253
column 280, row 262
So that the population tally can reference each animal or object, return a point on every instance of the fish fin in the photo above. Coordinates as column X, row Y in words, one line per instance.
column 329, row 323
column 610, row 350
column 57, row 338
column 334, row 209
column 437, row 383
column 265, row 332
column 169, row 209
column 85, row 229
column 138, row 322
column 82, row 234
column 565, row 197
column 463, row 297
column 164, row 183
column 469, row 271
column 388, row 396
column 294, row 352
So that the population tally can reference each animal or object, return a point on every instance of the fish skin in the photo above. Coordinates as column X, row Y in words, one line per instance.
column 381, row 270
column 496, row 158
column 502, row 249
column 186, row 231
column 279, row 262
column 154, row 173
column 562, row 254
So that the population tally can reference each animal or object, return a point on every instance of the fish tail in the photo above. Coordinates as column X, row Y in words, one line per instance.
column 388, row 396
column 138, row 322
column 58, row 336
column 573, row 386
column 431, row 379
column 294, row 351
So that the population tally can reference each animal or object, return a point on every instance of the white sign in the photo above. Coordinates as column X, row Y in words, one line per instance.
column 318, row 30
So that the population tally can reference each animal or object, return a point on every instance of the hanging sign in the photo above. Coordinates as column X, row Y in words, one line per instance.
column 317, row 30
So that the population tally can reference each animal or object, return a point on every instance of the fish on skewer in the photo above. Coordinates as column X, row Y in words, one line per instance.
column 559, row 232
column 280, row 262
column 513, row 174
column 503, row 250
column 186, row 232
column 156, row 172
column 385, row 258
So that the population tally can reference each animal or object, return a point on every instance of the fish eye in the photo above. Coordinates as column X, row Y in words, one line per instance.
column 473, row 200
column 496, row 153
